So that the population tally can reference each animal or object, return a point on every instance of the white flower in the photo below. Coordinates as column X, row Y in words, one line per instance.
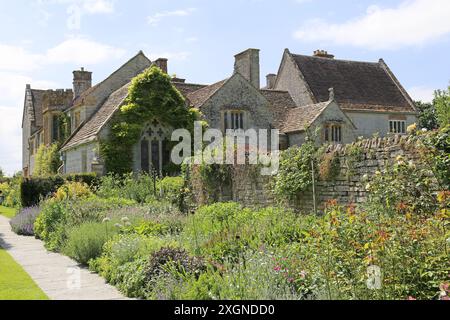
column 424, row 130
column 106, row 220
column 368, row 186
column 118, row 225
column 365, row 177
column 125, row 219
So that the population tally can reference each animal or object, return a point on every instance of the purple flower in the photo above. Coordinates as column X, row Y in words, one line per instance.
column 23, row 222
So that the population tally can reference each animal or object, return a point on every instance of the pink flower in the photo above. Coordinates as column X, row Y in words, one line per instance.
column 303, row 274
column 277, row 269
column 411, row 298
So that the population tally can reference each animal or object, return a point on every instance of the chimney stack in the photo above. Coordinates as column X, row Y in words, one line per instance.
column 271, row 79
column 323, row 54
column 82, row 80
column 247, row 64
column 162, row 64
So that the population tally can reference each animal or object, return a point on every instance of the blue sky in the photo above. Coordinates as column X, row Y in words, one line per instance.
column 43, row 41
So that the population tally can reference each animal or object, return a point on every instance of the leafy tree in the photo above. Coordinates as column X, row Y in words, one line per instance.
column 427, row 115
column 1, row 173
column 442, row 104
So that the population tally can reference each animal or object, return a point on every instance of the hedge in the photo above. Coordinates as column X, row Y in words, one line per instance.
column 33, row 190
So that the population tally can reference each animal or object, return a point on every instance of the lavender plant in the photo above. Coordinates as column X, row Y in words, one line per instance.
column 23, row 222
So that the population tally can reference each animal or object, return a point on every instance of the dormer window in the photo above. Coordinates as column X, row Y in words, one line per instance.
column 234, row 120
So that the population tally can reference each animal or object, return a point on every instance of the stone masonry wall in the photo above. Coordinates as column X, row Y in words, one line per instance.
column 253, row 190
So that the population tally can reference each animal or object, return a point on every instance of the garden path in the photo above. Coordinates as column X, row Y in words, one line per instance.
column 58, row 276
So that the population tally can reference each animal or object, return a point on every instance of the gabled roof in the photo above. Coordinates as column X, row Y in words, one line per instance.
column 187, row 88
column 280, row 104
column 105, row 85
column 300, row 118
column 357, row 85
column 199, row 97
column 88, row 131
column 91, row 128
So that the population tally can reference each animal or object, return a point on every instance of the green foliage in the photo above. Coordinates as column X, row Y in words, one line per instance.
column 10, row 191
column 329, row 166
column 427, row 115
column 353, row 155
column 438, row 154
column 139, row 188
column 85, row 242
column 47, row 161
column 171, row 189
column 33, row 190
column 151, row 97
column 404, row 187
column 295, row 174
column 442, row 104
column 57, row 217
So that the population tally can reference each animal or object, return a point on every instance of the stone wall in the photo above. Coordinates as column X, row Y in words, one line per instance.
column 253, row 190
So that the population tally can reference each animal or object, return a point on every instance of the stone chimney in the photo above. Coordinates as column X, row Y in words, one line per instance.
column 271, row 79
column 247, row 64
column 82, row 80
column 323, row 54
column 162, row 64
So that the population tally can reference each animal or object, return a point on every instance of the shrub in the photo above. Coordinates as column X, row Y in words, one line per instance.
column 23, row 222
column 295, row 173
column 85, row 242
column 72, row 191
column 137, row 188
column 178, row 258
column 50, row 224
column 171, row 188
column 329, row 166
column 10, row 191
column 438, row 154
column 34, row 190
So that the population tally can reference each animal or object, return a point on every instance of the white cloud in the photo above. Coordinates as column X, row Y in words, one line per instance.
column 191, row 39
column 18, row 58
column 157, row 17
column 10, row 139
column 82, row 51
column 422, row 93
column 412, row 23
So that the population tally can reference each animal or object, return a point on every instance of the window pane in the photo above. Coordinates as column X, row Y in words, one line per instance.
column 403, row 127
column 232, row 120
column 242, row 121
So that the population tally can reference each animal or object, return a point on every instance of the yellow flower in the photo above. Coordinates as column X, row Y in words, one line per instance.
column 412, row 128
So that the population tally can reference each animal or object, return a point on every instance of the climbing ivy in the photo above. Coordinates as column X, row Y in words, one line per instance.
column 151, row 96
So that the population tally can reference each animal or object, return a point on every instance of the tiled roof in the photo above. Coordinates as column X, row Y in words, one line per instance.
column 187, row 88
column 280, row 104
column 105, row 85
column 88, row 131
column 299, row 119
column 363, row 84
column 199, row 97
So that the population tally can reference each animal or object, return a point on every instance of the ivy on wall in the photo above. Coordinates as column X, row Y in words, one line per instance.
column 151, row 97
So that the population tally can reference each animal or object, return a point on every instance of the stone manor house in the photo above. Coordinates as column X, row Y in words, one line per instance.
column 343, row 99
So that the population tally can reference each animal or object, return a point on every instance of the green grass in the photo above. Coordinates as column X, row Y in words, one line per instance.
column 8, row 212
column 15, row 283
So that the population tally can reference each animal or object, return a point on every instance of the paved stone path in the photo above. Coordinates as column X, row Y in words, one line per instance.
column 58, row 276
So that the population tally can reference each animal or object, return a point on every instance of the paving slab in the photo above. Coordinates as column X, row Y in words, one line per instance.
column 58, row 276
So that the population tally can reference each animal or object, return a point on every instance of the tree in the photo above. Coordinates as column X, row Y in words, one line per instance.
column 1, row 173
column 441, row 103
column 427, row 115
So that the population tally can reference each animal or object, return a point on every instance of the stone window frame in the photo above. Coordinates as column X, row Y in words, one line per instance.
column 228, row 116
column 333, row 132
column 397, row 126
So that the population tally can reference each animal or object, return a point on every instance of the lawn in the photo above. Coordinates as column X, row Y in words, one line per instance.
column 15, row 283
column 7, row 212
